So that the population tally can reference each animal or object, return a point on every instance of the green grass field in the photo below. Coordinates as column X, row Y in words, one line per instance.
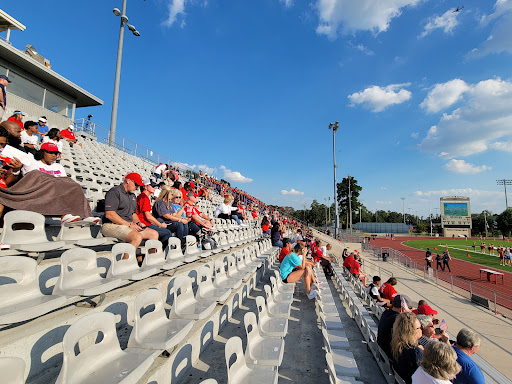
column 459, row 249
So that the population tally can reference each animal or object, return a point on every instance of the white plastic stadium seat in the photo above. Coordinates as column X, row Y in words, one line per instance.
column 235, row 273
column 79, row 233
column 175, row 256
column 156, row 259
column 286, row 298
column 261, row 350
column 185, row 305
column 27, row 240
column 84, row 280
column 23, row 299
column 103, row 361
column 270, row 326
column 206, row 291
column 221, row 278
column 283, row 287
column 276, row 309
column 153, row 330
column 128, row 268
column 239, row 372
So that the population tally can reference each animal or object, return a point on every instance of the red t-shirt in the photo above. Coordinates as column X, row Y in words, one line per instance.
column 387, row 291
column 348, row 262
column 191, row 210
column 66, row 134
column 19, row 122
column 264, row 227
column 283, row 254
column 316, row 253
column 143, row 205
column 355, row 267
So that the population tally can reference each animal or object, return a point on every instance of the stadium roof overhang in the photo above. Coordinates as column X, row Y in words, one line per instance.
column 9, row 22
column 25, row 62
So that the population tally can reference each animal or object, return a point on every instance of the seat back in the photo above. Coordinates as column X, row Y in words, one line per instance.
column 154, row 254
column 240, row 260
column 26, row 286
column 268, row 295
column 182, row 293
column 23, row 236
column 204, row 280
column 146, row 321
column 279, row 281
column 173, row 249
column 234, row 347
column 75, row 232
column 223, row 239
column 219, row 271
column 191, row 245
column 262, row 309
column 72, row 271
column 77, row 366
column 273, row 284
column 232, row 270
column 119, row 265
column 251, row 329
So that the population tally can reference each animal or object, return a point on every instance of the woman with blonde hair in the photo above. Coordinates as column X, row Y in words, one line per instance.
column 167, row 209
column 404, row 345
column 439, row 365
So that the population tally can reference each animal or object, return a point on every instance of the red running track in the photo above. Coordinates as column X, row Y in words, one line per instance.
column 468, row 271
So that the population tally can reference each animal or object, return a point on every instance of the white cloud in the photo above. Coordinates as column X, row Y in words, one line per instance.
column 291, row 192
column 460, row 166
column 484, row 119
column 447, row 22
column 384, row 188
column 500, row 39
column 176, row 8
column 357, row 15
column 415, row 135
column 379, row 98
column 363, row 49
column 207, row 169
column 444, row 95
column 384, row 202
column 505, row 146
column 287, row 3
column 234, row 176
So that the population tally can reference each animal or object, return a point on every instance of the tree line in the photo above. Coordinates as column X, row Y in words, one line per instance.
column 348, row 192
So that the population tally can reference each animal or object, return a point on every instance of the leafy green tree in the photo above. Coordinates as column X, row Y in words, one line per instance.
column 343, row 197
column 504, row 222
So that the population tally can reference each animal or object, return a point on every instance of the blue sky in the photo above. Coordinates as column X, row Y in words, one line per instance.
column 248, row 88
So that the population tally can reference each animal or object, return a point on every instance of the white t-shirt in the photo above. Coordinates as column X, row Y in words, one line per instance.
column 54, row 169
column 57, row 143
column 323, row 248
column 26, row 139
column 159, row 169
column 422, row 377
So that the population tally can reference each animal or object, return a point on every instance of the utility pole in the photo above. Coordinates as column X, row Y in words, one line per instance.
column 485, row 220
column 335, row 128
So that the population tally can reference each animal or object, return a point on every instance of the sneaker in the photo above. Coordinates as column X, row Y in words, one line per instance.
column 312, row 294
column 69, row 218
column 4, row 246
column 320, row 287
column 92, row 219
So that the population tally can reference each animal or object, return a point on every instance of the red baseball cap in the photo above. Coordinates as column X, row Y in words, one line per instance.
column 425, row 309
column 135, row 177
column 50, row 147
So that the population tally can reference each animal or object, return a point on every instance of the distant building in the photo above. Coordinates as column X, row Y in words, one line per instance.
column 455, row 216
column 382, row 227
column 36, row 89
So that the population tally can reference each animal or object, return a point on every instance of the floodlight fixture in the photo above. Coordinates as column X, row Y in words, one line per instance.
column 116, row 11
column 131, row 27
column 136, row 33
column 124, row 18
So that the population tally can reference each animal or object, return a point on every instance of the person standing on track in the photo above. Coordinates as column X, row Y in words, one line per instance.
column 428, row 258
column 438, row 262
column 446, row 261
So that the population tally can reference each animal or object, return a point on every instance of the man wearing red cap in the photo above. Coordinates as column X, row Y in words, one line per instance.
column 120, row 220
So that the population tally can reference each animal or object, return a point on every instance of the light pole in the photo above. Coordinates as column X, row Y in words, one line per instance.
column 504, row 182
column 124, row 20
column 325, row 199
column 403, row 207
column 410, row 219
column 335, row 128
column 329, row 209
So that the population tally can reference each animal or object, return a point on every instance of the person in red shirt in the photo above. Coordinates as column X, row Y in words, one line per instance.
column 145, row 215
column 318, row 256
column 287, row 247
column 347, row 263
column 388, row 291
column 17, row 117
column 68, row 135
column 198, row 220
column 356, row 270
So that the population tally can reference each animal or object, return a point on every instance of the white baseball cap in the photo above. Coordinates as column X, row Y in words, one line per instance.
column 71, row 127
column 42, row 120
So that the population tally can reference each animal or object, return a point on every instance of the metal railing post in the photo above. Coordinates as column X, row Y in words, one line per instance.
column 451, row 280
column 437, row 276
column 470, row 291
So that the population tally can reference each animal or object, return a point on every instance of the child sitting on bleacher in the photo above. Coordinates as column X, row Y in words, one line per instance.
column 373, row 291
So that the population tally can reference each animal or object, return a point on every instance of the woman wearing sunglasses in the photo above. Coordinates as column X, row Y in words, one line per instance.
column 44, row 161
